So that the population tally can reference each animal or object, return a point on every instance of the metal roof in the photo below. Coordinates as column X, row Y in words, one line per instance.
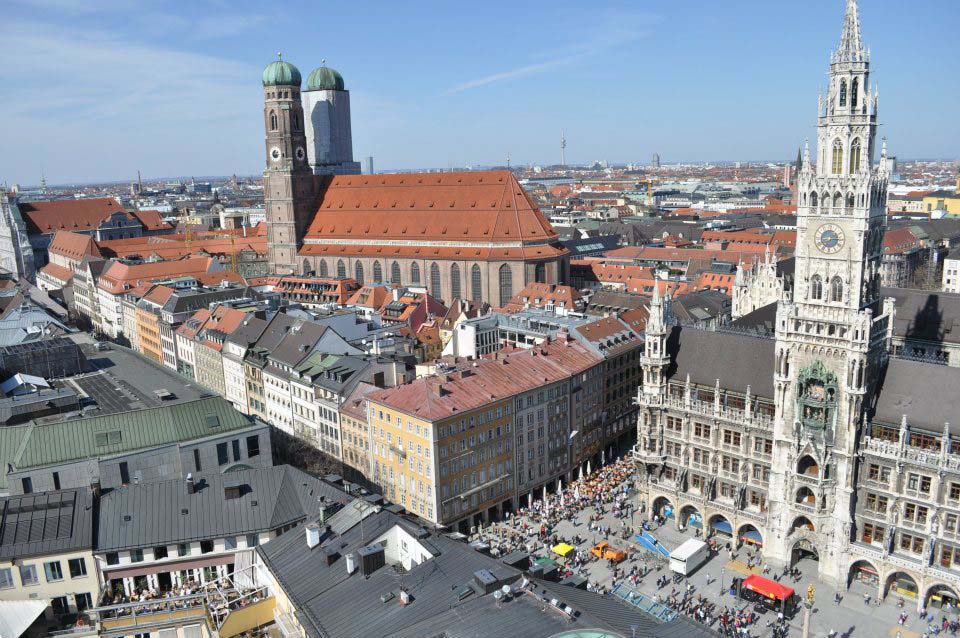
column 45, row 523
column 239, row 502
column 35, row 445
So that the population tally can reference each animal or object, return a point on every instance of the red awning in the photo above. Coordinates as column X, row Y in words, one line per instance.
column 767, row 587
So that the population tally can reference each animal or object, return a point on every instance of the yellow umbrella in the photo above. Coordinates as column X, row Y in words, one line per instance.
column 562, row 549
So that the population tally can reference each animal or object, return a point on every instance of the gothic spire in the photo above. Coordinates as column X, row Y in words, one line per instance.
column 851, row 47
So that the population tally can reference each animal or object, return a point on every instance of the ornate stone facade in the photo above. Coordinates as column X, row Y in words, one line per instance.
column 814, row 444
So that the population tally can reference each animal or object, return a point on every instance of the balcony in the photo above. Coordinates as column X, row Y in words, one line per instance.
column 287, row 624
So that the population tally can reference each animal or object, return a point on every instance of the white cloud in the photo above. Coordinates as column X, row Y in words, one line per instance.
column 608, row 31
column 92, row 104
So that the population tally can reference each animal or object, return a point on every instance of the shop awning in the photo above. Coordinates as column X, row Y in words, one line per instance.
column 562, row 549
column 751, row 536
column 16, row 616
column 723, row 526
column 767, row 587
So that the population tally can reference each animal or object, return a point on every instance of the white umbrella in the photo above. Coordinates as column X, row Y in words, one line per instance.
column 560, row 488
column 588, row 468
column 603, row 457
column 576, row 492
column 544, row 493
column 530, row 501
column 580, row 478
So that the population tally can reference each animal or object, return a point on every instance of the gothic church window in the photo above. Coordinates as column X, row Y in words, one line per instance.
column 506, row 285
column 273, row 121
column 341, row 269
column 854, row 92
column 455, row 282
column 540, row 274
column 816, row 287
column 323, row 268
column 395, row 273
column 837, row 166
column 435, row 280
column 843, row 92
column 476, row 285
column 358, row 273
column 836, row 289
column 855, row 156
column 415, row 273
column 813, row 199
column 377, row 272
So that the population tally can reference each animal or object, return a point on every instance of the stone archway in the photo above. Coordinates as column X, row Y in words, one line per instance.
column 939, row 595
column 720, row 526
column 690, row 516
column 901, row 584
column 750, row 534
column 805, row 496
column 804, row 551
column 801, row 523
column 863, row 571
column 663, row 507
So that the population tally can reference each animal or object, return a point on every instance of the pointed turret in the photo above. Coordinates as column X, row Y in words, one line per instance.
column 850, row 48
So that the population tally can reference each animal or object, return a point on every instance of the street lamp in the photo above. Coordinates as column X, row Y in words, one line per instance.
column 722, row 571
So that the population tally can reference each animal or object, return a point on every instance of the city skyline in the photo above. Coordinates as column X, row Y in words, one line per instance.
column 183, row 85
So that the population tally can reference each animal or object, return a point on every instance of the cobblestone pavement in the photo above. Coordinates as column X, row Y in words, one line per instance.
column 849, row 617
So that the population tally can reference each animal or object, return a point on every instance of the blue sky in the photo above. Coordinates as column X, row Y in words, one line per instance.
column 96, row 89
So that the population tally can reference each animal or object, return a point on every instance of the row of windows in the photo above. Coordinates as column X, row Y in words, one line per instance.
column 183, row 549
column 53, row 572
column 456, row 291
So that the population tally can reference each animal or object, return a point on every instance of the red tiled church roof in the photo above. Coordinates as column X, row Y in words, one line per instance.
column 480, row 206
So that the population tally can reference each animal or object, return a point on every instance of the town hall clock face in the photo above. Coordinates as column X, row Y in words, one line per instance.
column 829, row 238
column 300, row 153
column 274, row 153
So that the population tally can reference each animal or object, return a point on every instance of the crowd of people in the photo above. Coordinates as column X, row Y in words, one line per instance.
column 149, row 600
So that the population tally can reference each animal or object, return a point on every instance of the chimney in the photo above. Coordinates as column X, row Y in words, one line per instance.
column 95, row 487
column 191, row 487
column 313, row 535
column 438, row 390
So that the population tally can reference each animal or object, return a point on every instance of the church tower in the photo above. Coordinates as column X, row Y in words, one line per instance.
column 287, row 181
column 830, row 336
column 326, row 103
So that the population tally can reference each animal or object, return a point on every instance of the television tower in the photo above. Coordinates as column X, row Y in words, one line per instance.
column 563, row 149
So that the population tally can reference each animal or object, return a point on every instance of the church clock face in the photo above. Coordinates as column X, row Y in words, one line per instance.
column 300, row 153
column 275, row 153
column 829, row 238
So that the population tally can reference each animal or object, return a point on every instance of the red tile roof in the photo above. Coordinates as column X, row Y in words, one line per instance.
column 438, row 397
column 55, row 271
column 68, row 214
column 459, row 208
column 119, row 277
column 539, row 295
column 151, row 220
column 74, row 246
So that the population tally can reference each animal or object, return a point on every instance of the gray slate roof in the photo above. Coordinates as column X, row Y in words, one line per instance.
column 738, row 360
column 926, row 315
column 45, row 523
column 163, row 513
column 331, row 603
column 927, row 394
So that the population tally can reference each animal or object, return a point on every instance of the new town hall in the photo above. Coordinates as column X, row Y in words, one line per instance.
column 815, row 444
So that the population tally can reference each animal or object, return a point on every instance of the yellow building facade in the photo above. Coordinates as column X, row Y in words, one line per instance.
column 474, row 448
